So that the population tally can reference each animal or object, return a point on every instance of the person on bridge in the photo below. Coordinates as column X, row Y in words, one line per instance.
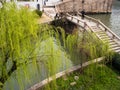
column 83, row 13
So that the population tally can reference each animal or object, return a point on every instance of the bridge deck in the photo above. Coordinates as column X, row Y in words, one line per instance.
column 100, row 30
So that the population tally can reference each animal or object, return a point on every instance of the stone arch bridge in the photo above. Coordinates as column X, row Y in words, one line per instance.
column 89, row 23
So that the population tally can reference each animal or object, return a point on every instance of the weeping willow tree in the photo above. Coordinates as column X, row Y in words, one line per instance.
column 86, row 46
column 2, row 1
column 81, row 47
column 17, row 34
column 29, row 52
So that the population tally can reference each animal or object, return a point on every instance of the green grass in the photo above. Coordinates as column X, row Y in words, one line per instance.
column 95, row 77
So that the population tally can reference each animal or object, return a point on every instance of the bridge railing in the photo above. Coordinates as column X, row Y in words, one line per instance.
column 104, row 27
column 78, row 22
column 71, row 17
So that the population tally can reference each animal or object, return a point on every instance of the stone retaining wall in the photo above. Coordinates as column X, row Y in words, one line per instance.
column 90, row 6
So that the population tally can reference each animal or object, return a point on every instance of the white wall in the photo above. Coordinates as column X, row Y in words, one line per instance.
column 33, row 4
column 52, row 2
column 30, row 4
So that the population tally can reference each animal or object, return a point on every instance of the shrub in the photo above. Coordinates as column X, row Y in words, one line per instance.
column 116, row 61
column 38, row 12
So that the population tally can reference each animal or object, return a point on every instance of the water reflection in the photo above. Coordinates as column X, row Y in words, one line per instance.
column 48, row 65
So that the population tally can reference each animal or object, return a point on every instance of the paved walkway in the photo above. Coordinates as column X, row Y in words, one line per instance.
column 44, row 19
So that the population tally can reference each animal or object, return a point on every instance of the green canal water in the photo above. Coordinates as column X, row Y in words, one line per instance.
column 111, row 20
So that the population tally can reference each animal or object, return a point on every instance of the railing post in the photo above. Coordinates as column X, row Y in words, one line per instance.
column 85, row 25
column 97, row 24
column 113, row 36
column 72, row 18
column 98, row 21
column 105, row 29
column 77, row 21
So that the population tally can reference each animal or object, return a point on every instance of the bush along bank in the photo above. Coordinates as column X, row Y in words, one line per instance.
column 116, row 61
column 39, row 13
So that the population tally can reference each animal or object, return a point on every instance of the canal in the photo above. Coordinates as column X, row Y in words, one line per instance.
column 111, row 20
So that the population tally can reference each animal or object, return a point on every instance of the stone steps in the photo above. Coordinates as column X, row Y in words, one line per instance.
column 100, row 33
column 104, row 37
